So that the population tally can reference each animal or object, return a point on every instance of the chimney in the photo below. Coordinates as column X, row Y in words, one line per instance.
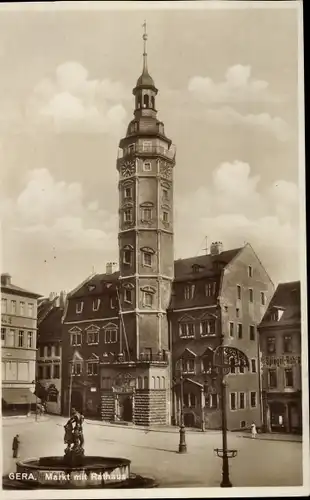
column 5, row 279
column 111, row 267
column 51, row 297
column 216, row 248
column 62, row 299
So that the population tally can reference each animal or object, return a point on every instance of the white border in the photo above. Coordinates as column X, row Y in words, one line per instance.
column 236, row 492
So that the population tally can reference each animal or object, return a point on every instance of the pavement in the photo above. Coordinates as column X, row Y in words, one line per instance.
column 259, row 462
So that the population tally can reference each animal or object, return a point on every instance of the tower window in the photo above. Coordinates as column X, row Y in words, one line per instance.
column 146, row 214
column 147, row 167
column 147, row 299
column 127, row 257
column 152, row 102
column 145, row 101
column 251, row 295
column 128, row 296
column 252, row 332
column 165, row 194
column 165, row 217
column 239, row 330
column 238, row 292
column 147, row 259
column 262, row 298
column 127, row 192
column 250, row 271
column 147, row 146
column 128, row 215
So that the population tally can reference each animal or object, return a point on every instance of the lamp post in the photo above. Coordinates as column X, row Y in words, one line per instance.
column 182, row 443
column 224, row 358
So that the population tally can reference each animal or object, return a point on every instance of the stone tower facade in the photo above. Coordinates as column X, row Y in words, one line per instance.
column 145, row 164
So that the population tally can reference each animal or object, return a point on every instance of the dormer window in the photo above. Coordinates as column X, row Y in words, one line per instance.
column 210, row 289
column 96, row 304
column 79, row 307
column 112, row 303
column 189, row 291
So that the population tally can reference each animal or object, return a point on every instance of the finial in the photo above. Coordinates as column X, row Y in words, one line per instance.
column 144, row 37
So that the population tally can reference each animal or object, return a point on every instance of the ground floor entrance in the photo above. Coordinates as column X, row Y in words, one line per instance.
column 124, row 407
column 284, row 416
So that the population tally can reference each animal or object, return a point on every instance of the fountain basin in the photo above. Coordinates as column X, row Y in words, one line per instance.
column 54, row 472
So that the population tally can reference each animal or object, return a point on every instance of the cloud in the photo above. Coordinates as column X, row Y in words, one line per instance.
column 238, row 86
column 263, row 121
column 235, row 209
column 53, row 211
column 71, row 101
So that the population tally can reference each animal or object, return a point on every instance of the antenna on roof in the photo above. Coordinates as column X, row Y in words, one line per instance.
column 93, row 270
column 206, row 243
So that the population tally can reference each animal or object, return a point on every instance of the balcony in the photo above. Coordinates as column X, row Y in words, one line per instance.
column 161, row 358
column 136, row 149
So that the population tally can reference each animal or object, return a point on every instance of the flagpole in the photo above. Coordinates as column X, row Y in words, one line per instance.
column 70, row 388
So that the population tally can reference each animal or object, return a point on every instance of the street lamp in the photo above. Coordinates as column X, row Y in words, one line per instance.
column 224, row 358
column 182, row 443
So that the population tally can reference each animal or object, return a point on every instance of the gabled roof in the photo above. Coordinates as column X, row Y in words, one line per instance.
column 50, row 328
column 16, row 290
column 287, row 299
column 198, row 347
column 96, row 284
column 183, row 268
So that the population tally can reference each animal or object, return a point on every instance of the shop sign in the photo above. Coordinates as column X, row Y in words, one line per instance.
column 288, row 360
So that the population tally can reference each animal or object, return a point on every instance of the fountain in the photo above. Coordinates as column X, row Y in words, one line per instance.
column 75, row 469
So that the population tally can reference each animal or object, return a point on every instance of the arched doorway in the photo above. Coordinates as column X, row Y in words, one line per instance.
column 77, row 401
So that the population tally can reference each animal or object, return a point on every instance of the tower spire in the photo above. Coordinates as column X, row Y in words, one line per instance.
column 144, row 37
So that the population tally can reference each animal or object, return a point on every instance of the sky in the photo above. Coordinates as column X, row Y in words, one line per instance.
column 228, row 95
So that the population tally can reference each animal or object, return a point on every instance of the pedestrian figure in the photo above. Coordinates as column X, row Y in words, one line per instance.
column 15, row 445
column 253, row 430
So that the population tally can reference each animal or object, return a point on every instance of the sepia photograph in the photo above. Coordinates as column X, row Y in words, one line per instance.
column 153, row 250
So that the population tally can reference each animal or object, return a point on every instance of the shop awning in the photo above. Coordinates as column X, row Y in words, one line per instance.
column 19, row 396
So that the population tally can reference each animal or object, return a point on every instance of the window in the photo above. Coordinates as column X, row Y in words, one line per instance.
column 127, row 257
column 189, row 291
column 93, row 337
column 288, row 375
column 147, row 146
column 92, row 368
column 40, row 372
column 13, row 306
column 241, row 368
column 20, row 338
column 232, row 366
column 231, row 329
column 79, row 307
column 30, row 310
column 213, row 400
column 250, row 271
column 271, row 344
column 237, row 313
column 188, row 365
column 287, row 343
column 77, row 368
column 10, row 339
column 233, row 401
column 22, row 308
column 241, row 400
column 76, row 339
column 165, row 217
column 48, row 372
column 253, row 401
column 238, row 292
column 110, row 336
column 56, row 371
column 131, row 148
column 41, row 351
column 3, row 337
column 147, row 167
column 49, row 351
column 128, row 296
column 128, row 215
column 272, row 378
column 239, row 329
column 127, row 192
column 207, row 328
column 252, row 332
column 148, row 299
column 57, row 350
column 262, row 298
column 4, row 306
column 165, row 194
column 253, row 365
column 29, row 340
column 251, row 299
column 146, row 214
column 210, row 289
column 96, row 304
column 206, row 365
column 192, row 400
column 187, row 330
column 147, row 259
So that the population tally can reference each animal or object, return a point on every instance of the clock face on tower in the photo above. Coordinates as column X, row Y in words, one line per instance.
column 128, row 168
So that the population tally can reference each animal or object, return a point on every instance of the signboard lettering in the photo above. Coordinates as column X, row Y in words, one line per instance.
column 287, row 360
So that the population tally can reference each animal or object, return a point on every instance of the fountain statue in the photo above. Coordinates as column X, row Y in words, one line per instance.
column 75, row 469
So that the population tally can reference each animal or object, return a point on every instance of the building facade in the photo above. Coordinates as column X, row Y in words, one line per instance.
column 49, row 353
column 218, row 298
column 280, row 344
column 18, row 352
